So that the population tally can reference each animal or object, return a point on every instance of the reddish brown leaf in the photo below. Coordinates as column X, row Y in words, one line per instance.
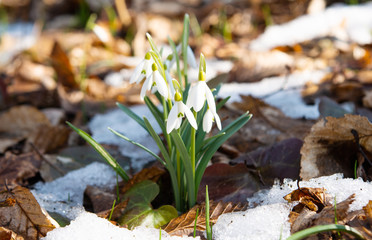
column 98, row 200
column 25, row 217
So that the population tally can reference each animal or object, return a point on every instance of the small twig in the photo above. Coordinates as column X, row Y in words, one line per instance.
column 58, row 169
column 356, row 137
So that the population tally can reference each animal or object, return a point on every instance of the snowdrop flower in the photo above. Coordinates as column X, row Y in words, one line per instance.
column 190, row 56
column 143, row 69
column 209, row 118
column 155, row 80
column 178, row 111
column 199, row 93
column 169, row 80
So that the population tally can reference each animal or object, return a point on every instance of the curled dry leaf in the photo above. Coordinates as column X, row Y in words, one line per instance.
column 184, row 224
column 25, row 217
column 306, row 219
column 313, row 198
column 333, row 146
column 16, row 169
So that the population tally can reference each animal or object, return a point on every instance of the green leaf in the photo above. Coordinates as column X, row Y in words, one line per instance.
column 157, row 139
column 180, row 146
column 156, row 113
column 325, row 228
column 139, row 211
column 109, row 159
column 137, row 144
column 133, row 115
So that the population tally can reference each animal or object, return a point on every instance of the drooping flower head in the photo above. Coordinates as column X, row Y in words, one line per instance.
column 209, row 118
column 178, row 112
column 142, row 70
column 156, row 81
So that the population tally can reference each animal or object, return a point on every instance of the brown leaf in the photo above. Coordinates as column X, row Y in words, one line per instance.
column 368, row 211
column 63, row 68
column 307, row 218
column 97, row 199
column 25, row 218
column 184, row 224
column 228, row 183
column 5, row 234
column 331, row 147
column 22, row 120
column 313, row 198
column 16, row 169
column 48, row 138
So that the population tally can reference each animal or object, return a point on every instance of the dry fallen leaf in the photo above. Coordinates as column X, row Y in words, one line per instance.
column 184, row 224
column 62, row 66
column 17, row 169
column 313, row 198
column 331, row 147
column 25, row 217
column 22, row 120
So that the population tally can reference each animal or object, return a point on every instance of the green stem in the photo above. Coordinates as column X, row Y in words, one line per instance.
column 165, row 115
column 192, row 150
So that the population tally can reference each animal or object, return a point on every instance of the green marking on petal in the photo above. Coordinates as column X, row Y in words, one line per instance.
column 180, row 115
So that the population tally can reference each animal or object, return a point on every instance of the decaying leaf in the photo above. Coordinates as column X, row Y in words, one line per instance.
column 334, row 145
column 368, row 211
column 25, row 217
column 48, row 138
column 97, row 199
column 17, row 169
column 184, row 224
column 313, row 198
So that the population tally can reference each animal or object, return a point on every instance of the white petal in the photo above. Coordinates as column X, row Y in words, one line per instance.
column 200, row 88
column 160, row 83
column 207, row 121
column 210, row 99
column 190, row 116
column 217, row 120
column 137, row 72
column 191, row 58
column 178, row 123
column 172, row 118
column 145, row 87
column 170, row 84
column 148, row 67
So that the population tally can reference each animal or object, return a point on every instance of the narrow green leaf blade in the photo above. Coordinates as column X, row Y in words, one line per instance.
column 109, row 159
column 136, row 144
column 133, row 115
column 156, row 113
column 325, row 228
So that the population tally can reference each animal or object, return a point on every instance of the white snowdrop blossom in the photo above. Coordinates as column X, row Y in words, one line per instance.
column 209, row 118
column 190, row 56
column 142, row 70
column 177, row 113
column 199, row 93
column 156, row 81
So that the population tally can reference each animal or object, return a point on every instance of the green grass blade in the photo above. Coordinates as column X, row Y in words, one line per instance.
column 180, row 146
column 133, row 115
column 325, row 228
column 175, row 55
column 109, row 159
column 221, row 103
column 136, row 144
column 216, row 143
column 158, row 141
